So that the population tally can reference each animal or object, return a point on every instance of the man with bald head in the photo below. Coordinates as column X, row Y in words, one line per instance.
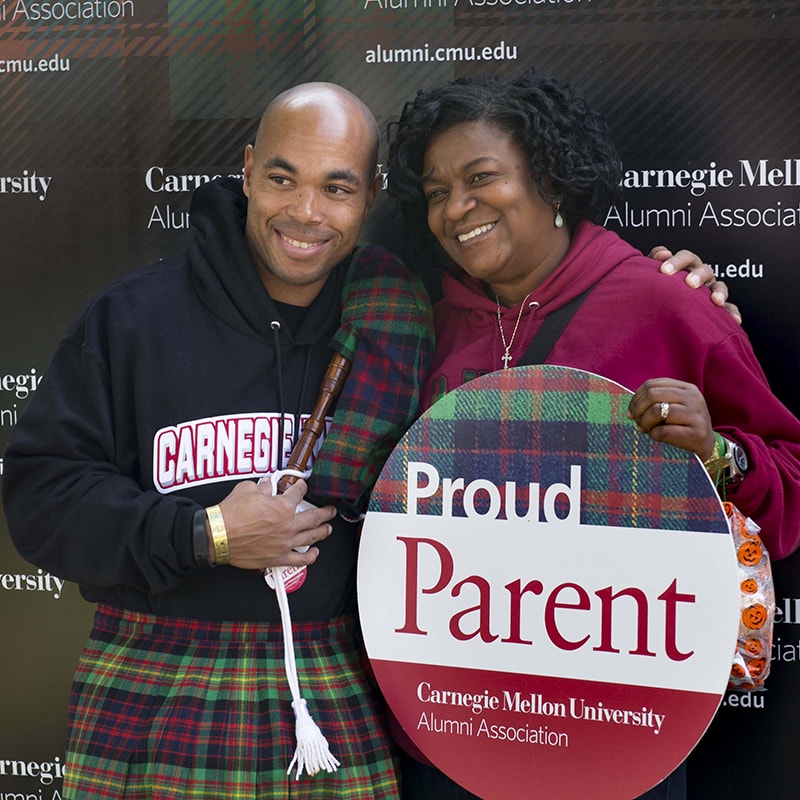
column 134, row 473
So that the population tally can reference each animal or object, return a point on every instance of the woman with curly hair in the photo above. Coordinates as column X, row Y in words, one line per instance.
column 505, row 178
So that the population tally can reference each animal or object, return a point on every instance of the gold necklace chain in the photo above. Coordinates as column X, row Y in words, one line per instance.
column 506, row 357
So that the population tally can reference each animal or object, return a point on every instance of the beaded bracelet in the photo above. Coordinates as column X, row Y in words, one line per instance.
column 716, row 464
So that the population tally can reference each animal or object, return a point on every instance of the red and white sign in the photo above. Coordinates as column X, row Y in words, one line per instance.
column 520, row 643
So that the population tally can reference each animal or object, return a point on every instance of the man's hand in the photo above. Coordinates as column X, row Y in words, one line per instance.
column 263, row 528
column 697, row 274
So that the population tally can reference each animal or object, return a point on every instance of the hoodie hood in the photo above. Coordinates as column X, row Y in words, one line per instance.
column 226, row 277
column 371, row 310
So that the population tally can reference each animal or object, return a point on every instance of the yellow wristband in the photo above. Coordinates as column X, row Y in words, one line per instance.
column 219, row 535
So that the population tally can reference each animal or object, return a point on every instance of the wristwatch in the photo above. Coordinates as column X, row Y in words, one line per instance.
column 727, row 457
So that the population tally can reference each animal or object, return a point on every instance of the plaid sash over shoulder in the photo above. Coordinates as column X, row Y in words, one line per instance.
column 387, row 335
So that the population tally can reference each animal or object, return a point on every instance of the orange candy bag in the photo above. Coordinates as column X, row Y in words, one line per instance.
column 753, row 648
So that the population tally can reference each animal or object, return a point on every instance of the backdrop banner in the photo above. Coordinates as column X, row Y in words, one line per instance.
column 113, row 111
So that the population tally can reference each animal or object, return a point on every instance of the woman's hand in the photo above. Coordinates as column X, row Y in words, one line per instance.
column 697, row 274
column 674, row 412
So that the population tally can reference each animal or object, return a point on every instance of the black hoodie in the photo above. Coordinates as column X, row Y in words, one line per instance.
column 167, row 390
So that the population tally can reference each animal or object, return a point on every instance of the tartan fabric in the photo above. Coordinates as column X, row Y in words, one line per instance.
column 530, row 424
column 387, row 334
column 166, row 708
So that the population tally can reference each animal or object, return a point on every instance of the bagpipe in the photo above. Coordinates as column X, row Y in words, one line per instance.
column 382, row 350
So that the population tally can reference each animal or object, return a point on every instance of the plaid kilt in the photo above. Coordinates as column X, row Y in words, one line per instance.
column 167, row 708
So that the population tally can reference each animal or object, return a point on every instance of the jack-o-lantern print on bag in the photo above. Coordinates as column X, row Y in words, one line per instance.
column 754, row 645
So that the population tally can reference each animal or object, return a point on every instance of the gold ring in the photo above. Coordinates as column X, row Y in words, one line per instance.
column 664, row 412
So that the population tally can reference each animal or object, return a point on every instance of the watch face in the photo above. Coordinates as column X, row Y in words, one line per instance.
column 740, row 457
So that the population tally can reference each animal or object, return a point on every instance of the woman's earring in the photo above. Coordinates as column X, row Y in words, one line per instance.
column 559, row 220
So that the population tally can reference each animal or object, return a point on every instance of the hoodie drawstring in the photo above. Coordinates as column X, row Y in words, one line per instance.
column 276, row 331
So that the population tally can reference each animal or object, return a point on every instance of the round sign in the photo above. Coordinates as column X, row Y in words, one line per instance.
column 548, row 597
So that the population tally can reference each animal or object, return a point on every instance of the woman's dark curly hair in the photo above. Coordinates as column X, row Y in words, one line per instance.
column 568, row 147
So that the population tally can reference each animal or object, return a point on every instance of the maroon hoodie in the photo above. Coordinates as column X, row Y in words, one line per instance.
column 637, row 324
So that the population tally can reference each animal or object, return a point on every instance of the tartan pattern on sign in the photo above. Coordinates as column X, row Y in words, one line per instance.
column 387, row 335
column 531, row 424
column 176, row 708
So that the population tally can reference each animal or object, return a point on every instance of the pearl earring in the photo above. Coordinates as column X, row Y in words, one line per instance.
column 559, row 220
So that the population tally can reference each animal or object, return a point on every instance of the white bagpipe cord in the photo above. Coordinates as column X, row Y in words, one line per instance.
column 312, row 753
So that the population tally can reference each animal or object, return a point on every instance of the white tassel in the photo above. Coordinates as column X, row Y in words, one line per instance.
column 312, row 753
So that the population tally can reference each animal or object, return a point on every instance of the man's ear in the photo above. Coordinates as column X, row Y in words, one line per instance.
column 249, row 163
column 377, row 182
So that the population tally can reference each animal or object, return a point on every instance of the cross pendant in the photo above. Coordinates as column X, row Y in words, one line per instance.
column 505, row 358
